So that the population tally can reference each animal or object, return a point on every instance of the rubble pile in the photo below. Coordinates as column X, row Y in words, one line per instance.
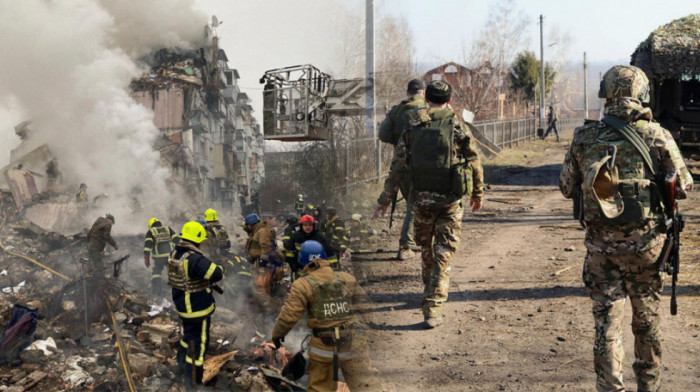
column 83, row 326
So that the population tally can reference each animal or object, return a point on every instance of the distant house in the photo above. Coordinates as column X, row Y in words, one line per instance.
column 474, row 89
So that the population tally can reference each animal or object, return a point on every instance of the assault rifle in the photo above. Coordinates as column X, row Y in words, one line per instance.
column 393, row 207
column 669, row 260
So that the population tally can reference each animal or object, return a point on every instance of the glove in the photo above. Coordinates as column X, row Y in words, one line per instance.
column 277, row 342
column 146, row 261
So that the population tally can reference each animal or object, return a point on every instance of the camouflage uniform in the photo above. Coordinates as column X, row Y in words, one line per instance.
column 438, row 216
column 395, row 123
column 621, row 258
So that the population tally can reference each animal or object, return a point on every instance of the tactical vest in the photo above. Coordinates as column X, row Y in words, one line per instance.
column 431, row 158
column 178, row 277
column 220, row 238
column 332, row 300
column 162, row 244
column 639, row 194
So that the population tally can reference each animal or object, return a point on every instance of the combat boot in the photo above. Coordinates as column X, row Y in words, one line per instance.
column 433, row 322
column 405, row 254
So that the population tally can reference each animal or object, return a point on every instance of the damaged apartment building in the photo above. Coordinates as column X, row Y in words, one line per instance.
column 209, row 138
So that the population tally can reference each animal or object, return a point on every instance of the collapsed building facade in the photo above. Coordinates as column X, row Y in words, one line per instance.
column 209, row 140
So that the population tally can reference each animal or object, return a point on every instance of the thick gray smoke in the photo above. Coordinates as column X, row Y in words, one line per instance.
column 67, row 66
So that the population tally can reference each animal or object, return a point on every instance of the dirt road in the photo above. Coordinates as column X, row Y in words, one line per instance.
column 518, row 317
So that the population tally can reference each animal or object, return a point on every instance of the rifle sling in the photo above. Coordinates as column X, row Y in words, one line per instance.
column 633, row 137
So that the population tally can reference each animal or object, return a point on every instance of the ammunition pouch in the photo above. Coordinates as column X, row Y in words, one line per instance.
column 461, row 179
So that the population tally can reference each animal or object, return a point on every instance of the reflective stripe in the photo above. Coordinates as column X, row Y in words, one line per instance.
column 202, row 346
column 183, row 344
column 289, row 254
column 286, row 237
column 210, row 271
column 329, row 354
column 147, row 249
column 155, row 276
column 201, row 313
column 196, row 363
column 245, row 273
column 188, row 303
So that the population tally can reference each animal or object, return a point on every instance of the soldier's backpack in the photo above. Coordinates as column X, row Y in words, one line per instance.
column 162, row 244
column 618, row 185
column 431, row 161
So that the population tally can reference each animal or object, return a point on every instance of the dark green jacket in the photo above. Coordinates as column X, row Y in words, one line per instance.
column 396, row 120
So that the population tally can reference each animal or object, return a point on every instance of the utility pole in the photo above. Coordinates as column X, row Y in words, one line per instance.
column 600, row 101
column 585, row 86
column 542, row 81
column 371, row 92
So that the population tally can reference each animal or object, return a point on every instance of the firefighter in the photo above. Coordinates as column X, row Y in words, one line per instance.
column 99, row 236
column 293, row 245
column 261, row 251
column 334, row 231
column 299, row 205
column 159, row 242
column 359, row 237
column 338, row 342
column 218, row 243
column 192, row 276
column 289, row 230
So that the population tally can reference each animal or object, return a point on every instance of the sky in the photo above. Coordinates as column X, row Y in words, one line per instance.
column 264, row 34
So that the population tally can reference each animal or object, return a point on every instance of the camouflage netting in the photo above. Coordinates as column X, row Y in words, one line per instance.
column 671, row 50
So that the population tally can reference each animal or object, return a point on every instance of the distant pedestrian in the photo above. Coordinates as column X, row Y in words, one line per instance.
column 551, row 123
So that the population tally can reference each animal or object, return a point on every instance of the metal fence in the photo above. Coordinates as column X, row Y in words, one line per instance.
column 355, row 161
column 509, row 133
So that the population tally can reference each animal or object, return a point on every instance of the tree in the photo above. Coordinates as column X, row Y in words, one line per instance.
column 488, row 58
column 525, row 76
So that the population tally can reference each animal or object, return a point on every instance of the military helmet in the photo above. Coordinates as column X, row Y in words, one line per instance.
column 310, row 251
column 193, row 232
column 625, row 81
column 291, row 218
column 332, row 211
column 210, row 215
column 601, row 184
column 110, row 217
column 83, row 186
column 152, row 221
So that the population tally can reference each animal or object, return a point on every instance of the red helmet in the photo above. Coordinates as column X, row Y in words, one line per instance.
column 307, row 219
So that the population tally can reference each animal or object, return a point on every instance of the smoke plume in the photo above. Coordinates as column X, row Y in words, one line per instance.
column 67, row 66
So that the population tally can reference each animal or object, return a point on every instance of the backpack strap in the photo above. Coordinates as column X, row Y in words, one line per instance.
column 633, row 137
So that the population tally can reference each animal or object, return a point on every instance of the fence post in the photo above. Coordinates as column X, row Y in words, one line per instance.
column 347, row 167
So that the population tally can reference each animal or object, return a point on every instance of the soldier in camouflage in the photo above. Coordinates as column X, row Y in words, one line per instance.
column 440, row 157
column 390, row 131
column 620, row 206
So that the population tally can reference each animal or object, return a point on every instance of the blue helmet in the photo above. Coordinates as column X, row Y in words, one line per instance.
column 252, row 219
column 310, row 251
column 202, row 222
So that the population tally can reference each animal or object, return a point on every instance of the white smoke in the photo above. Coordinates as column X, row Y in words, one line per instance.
column 67, row 65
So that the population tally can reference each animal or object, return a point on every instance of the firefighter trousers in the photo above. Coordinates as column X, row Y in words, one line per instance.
column 194, row 333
